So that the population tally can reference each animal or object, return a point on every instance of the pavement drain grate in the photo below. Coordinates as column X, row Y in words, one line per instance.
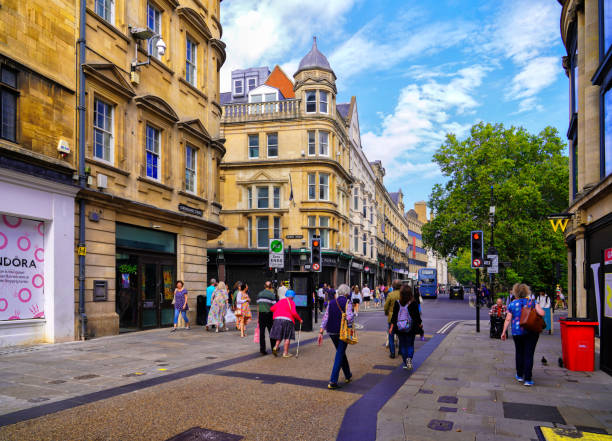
column 199, row 434
column 384, row 367
column 211, row 358
column 441, row 425
column 451, row 378
column 57, row 381
column 447, row 409
column 86, row 377
column 532, row 412
column 38, row 400
column 425, row 391
column 448, row 399
column 163, row 364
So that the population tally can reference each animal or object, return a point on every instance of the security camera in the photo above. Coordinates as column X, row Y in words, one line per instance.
column 161, row 47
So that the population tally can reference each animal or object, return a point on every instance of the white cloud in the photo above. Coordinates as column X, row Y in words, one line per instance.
column 421, row 119
column 257, row 33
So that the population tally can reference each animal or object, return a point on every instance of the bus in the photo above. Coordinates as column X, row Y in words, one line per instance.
column 428, row 283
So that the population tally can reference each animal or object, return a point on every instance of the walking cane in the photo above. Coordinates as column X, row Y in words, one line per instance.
column 297, row 354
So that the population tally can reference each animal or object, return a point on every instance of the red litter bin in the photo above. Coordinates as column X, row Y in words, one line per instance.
column 578, row 343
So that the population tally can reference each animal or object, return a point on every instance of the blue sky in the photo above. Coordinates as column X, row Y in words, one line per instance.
column 419, row 69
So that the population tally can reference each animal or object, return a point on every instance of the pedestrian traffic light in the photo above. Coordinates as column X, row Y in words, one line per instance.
column 315, row 254
column 477, row 249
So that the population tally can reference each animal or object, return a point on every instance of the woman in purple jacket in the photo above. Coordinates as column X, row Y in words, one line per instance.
column 331, row 324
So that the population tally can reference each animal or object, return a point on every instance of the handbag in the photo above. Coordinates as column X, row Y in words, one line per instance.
column 530, row 320
column 256, row 335
column 348, row 334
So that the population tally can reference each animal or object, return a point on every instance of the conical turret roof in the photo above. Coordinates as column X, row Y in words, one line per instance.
column 314, row 59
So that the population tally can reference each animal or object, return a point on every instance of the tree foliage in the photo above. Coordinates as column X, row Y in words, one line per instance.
column 460, row 267
column 529, row 175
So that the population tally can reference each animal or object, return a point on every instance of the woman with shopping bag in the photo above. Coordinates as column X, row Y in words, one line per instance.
column 243, row 308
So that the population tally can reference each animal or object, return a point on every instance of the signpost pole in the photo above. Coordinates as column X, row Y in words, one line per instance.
column 477, row 300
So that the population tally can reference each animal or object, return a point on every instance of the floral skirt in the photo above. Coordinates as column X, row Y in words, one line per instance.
column 216, row 314
column 282, row 330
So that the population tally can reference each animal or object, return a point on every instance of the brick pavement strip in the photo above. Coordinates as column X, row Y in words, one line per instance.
column 479, row 372
column 221, row 383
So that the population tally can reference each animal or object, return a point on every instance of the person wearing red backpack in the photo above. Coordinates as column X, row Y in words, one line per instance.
column 406, row 323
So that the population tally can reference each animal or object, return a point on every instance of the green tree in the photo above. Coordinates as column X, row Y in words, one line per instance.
column 529, row 176
column 460, row 267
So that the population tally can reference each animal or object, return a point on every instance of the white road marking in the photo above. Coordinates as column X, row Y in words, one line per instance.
column 444, row 329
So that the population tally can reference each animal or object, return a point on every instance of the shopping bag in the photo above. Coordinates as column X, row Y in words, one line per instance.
column 256, row 335
column 230, row 317
column 531, row 321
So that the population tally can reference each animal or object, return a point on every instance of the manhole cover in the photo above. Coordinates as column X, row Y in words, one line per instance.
column 447, row 399
column 425, row 391
column 199, row 434
column 447, row 409
column 441, row 425
column 86, row 377
column 57, row 381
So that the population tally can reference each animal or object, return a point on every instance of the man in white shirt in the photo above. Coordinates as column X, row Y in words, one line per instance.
column 321, row 293
column 281, row 291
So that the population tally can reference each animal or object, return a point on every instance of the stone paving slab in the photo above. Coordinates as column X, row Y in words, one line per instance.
column 484, row 372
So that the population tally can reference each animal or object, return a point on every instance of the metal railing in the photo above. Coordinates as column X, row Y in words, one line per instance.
column 259, row 111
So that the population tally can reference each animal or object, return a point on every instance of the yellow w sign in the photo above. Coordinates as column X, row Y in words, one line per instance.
column 559, row 223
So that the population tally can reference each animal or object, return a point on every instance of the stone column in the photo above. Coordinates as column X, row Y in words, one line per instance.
column 589, row 105
column 581, row 294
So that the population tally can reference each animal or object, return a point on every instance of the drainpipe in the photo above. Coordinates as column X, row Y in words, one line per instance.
column 82, row 177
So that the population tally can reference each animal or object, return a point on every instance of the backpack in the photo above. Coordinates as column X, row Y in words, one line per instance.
column 404, row 321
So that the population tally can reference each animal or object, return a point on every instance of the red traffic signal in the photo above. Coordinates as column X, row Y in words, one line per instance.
column 315, row 243
column 476, row 236
column 477, row 249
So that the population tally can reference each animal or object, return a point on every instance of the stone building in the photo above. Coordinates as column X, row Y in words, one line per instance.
column 362, row 229
column 417, row 255
column 586, row 31
column 285, row 174
column 37, row 191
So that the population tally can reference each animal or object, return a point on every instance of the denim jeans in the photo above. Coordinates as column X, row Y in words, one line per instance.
column 340, row 361
column 391, row 342
column 525, row 349
column 406, row 345
column 176, row 315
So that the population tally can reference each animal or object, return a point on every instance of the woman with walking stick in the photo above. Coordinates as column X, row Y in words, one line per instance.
column 331, row 323
column 283, row 326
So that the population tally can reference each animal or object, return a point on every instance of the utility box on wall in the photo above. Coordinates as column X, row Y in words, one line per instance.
column 100, row 290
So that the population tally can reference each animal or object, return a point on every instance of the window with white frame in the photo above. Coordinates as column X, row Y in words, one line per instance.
column 250, row 232
column 238, row 87
column 277, row 228
column 365, row 213
column 311, row 101
column 251, row 84
column 324, row 231
column 323, row 186
column 106, row 9
column 253, row 146
column 262, row 197
column 356, row 199
column 371, row 248
column 272, row 145
column 324, row 143
column 103, row 130
column 263, row 234
column 249, row 198
column 312, row 223
column 312, row 186
column 190, row 169
column 365, row 245
column 312, row 143
column 191, row 62
column 154, row 24
column 323, row 101
column 356, row 240
column 153, row 153
column 276, row 197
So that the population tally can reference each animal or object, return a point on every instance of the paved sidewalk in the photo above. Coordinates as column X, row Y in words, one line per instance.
column 466, row 390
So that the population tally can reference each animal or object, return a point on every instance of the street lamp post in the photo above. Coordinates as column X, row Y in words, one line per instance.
column 492, row 247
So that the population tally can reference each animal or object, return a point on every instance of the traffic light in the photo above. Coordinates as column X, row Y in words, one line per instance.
column 315, row 254
column 477, row 249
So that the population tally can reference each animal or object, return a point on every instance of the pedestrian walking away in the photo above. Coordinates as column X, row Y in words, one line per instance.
column 406, row 323
column 366, row 293
column 524, row 341
column 265, row 301
column 281, row 291
column 283, row 325
column 218, row 306
column 209, row 295
column 356, row 299
column 331, row 324
column 180, row 304
column 545, row 303
column 392, row 297
column 243, row 308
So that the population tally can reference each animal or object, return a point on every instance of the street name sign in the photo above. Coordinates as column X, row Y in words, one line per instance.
column 294, row 236
column 276, row 254
column 494, row 267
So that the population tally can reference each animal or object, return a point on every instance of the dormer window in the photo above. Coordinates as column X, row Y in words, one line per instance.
column 252, row 84
column 311, row 101
column 238, row 87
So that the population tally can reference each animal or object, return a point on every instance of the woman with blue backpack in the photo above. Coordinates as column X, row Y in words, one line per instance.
column 406, row 323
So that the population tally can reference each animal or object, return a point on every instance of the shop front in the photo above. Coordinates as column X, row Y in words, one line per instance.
column 328, row 269
column 145, row 277
column 36, row 258
column 356, row 276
